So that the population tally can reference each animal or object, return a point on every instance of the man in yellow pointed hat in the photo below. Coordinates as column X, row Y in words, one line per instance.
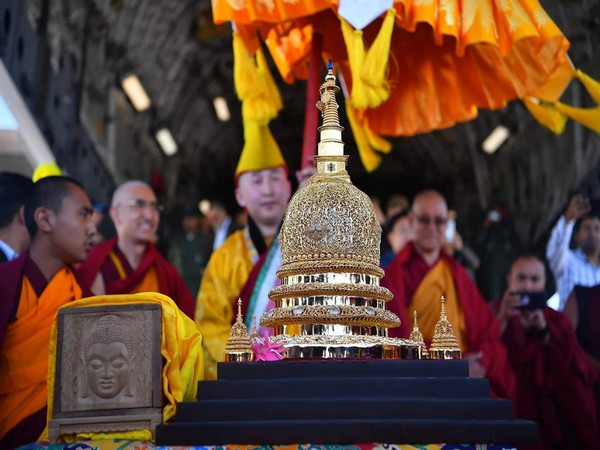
column 245, row 265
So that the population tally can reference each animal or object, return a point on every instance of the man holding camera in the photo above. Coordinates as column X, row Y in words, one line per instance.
column 554, row 378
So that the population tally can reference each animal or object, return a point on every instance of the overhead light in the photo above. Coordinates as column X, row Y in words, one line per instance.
column 166, row 141
column 495, row 139
column 221, row 109
column 204, row 206
column 136, row 92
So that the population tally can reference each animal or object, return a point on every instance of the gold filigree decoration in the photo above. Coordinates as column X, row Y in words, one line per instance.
column 329, row 221
column 239, row 340
column 443, row 340
column 342, row 340
column 364, row 316
column 328, row 265
column 417, row 336
column 342, row 289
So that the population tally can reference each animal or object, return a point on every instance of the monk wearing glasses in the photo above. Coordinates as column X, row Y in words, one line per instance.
column 422, row 272
column 130, row 263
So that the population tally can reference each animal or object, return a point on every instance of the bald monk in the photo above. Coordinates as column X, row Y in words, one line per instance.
column 130, row 262
column 422, row 272
column 58, row 215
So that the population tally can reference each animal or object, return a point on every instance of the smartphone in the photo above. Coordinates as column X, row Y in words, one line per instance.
column 532, row 300
column 450, row 230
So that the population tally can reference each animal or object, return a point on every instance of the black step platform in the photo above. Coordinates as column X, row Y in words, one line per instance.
column 345, row 402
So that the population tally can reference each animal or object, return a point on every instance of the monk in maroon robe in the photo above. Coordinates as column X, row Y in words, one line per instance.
column 422, row 272
column 554, row 377
column 58, row 215
column 131, row 263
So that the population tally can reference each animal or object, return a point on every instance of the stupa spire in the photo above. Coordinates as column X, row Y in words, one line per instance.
column 238, row 346
column 330, row 143
column 417, row 337
column 444, row 344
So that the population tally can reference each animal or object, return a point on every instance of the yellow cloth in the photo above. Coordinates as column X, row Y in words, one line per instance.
column 426, row 301
column 181, row 349
column 24, row 356
column 222, row 282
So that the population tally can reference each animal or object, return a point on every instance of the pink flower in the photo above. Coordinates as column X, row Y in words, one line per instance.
column 265, row 351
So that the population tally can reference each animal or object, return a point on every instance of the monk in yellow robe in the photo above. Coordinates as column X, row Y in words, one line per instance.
column 130, row 263
column 245, row 265
column 422, row 272
column 58, row 215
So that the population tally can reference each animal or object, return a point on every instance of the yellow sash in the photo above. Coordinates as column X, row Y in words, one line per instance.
column 148, row 284
column 426, row 301
column 24, row 358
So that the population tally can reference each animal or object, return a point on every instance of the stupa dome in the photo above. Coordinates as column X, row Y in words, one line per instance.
column 330, row 224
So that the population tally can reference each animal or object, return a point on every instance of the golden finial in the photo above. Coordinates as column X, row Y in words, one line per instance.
column 444, row 344
column 238, row 346
column 417, row 336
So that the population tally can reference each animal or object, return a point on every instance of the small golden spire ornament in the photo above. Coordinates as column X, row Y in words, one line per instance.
column 444, row 344
column 417, row 336
column 238, row 346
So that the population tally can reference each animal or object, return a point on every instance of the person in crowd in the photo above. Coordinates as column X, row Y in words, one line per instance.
column 221, row 223
column 554, row 378
column 191, row 249
column 580, row 266
column 397, row 232
column 58, row 216
column 394, row 204
column 497, row 245
column 245, row 265
column 130, row 262
column 422, row 272
column 583, row 310
column 14, row 239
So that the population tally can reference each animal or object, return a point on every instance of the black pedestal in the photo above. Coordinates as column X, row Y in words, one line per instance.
column 345, row 402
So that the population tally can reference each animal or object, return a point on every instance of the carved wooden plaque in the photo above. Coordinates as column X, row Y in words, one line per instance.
column 108, row 364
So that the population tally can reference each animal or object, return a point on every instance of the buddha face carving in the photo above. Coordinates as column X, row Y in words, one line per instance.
column 108, row 359
column 107, row 368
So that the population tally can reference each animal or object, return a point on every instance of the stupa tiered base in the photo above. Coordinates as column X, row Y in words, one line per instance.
column 347, row 346
column 345, row 402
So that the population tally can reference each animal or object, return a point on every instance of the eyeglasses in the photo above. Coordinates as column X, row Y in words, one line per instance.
column 139, row 204
column 437, row 221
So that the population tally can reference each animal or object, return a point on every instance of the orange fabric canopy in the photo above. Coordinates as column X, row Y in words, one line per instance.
column 447, row 57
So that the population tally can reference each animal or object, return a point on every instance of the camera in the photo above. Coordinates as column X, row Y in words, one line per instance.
column 532, row 300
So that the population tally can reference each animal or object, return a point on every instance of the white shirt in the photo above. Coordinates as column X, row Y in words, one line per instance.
column 221, row 233
column 8, row 251
column 569, row 267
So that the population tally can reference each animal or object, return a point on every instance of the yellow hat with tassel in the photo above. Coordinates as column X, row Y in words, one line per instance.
column 260, row 150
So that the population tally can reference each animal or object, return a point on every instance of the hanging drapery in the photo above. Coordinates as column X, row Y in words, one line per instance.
column 413, row 66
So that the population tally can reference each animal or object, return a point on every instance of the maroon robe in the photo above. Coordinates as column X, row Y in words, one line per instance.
column 482, row 332
column 170, row 282
column 554, row 383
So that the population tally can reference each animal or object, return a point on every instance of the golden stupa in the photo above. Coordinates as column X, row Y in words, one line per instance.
column 238, row 346
column 417, row 336
column 444, row 344
column 330, row 303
